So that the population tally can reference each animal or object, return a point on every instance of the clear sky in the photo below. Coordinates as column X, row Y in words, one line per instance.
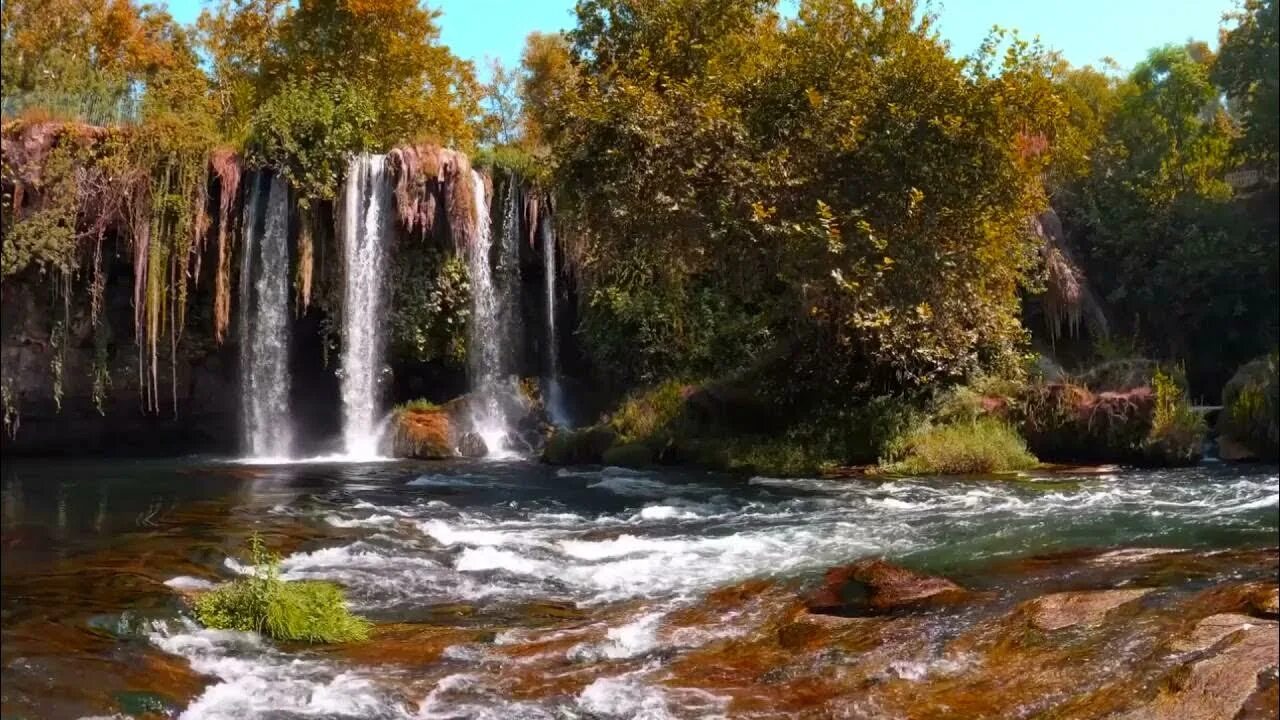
column 1084, row 30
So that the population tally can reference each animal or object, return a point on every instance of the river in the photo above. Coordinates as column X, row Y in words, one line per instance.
column 518, row 590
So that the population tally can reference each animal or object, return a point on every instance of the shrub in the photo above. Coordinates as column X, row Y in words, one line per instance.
column 1065, row 422
column 1177, row 431
column 645, row 414
column 1251, row 407
column 309, row 611
column 983, row 446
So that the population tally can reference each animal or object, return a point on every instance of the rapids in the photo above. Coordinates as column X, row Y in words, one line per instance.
column 516, row 590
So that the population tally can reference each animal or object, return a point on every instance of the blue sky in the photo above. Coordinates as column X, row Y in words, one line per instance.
column 1084, row 30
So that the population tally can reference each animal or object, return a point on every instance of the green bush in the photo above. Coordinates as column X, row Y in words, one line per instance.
column 1177, row 431
column 1251, row 407
column 647, row 413
column 982, row 446
column 308, row 611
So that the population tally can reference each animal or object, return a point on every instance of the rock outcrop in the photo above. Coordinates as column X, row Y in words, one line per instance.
column 877, row 586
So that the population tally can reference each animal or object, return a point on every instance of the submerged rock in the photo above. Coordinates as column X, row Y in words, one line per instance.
column 1068, row 609
column 881, row 586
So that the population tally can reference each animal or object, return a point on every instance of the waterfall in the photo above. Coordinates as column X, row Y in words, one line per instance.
column 367, row 216
column 554, row 396
column 489, row 322
column 264, row 325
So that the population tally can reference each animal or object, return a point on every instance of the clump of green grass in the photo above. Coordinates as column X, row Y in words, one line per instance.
column 419, row 405
column 308, row 611
column 982, row 446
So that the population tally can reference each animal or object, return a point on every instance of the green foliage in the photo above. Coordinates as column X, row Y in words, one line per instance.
column 646, row 413
column 306, row 611
column 309, row 129
column 1177, row 431
column 1178, row 260
column 47, row 238
column 740, row 186
column 1246, row 68
column 978, row 447
column 430, row 305
column 1251, row 407
column 419, row 405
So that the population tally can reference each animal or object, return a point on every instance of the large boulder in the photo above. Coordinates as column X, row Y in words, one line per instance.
column 1249, row 424
column 878, row 586
column 424, row 431
column 579, row 447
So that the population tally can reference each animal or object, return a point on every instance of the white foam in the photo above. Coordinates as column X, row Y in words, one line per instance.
column 256, row 681
column 629, row 696
column 186, row 582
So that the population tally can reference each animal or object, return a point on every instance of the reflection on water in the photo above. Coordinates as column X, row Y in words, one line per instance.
column 518, row 590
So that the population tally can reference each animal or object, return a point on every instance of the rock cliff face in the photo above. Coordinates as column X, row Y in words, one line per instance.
column 79, row 394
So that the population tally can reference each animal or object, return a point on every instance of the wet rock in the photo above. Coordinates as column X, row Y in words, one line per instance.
column 1266, row 601
column 423, row 431
column 797, row 635
column 578, row 447
column 880, row 586
column 631, row 455
column 1212, row 630
column 1068, row 609
column 1217, row 686
column 472, row 445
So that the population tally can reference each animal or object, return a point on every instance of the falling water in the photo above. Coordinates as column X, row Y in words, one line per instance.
column 486, row 357
column 367, row 211
column 554, row 394
column 264, row 317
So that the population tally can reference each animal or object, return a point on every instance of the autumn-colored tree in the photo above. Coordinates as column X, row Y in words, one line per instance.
column 87, row 59
column 390, row 50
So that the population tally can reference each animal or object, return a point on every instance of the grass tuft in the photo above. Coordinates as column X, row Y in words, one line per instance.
column 982, row 446
column 307, row 611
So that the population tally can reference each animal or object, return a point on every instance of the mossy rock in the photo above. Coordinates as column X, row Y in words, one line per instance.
column 424, row 431
column 1250, row 417
column 630, row 455
column 579, row 447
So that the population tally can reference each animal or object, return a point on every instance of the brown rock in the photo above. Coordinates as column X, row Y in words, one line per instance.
column 1220, row 685
column 1266, row 601
column 423, row 432
column 1063, row 610
column 884, row 586
column 1209, row 631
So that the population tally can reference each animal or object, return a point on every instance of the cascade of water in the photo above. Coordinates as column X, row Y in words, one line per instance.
column 554, row 394
column 367, row 215
column 264, row 325
column 485, row 352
